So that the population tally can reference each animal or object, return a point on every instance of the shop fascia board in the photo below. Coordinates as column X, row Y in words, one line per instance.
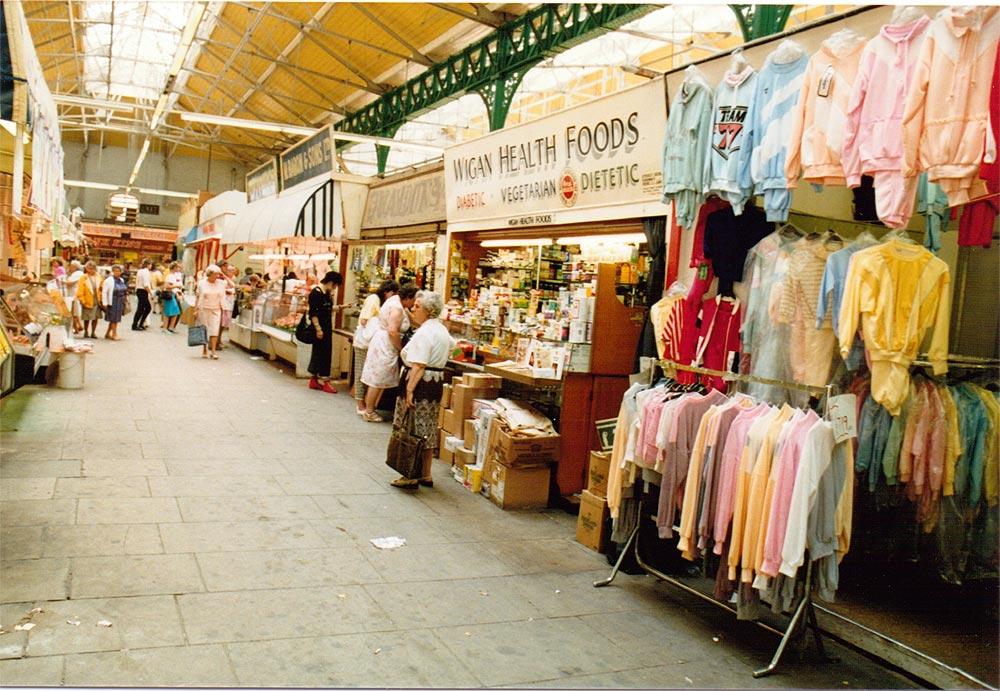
column 408, row 173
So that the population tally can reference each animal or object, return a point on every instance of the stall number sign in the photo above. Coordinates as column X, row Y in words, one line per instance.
column 606, row 433
column 570, row 167
column 149, row 209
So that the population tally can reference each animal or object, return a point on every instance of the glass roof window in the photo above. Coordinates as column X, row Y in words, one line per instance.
column 129, row 46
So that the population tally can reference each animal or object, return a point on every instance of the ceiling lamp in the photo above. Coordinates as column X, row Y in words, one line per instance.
column 517, row 243
column 622, row 238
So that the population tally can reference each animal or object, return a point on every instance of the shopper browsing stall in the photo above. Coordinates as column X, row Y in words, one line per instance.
column 321, row 318
column 424, row 359
column 88, row 292
column 382, row 363
column 113, row 294
column 367, row 324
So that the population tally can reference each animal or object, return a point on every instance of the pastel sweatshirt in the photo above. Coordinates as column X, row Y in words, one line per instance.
column 733, row 97
column 873, row 140
column 896, row 292
column 816, row 144
column 684, row 149
column 771, row 116
column 946, row 122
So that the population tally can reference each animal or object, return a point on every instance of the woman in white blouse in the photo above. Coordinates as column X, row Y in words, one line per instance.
column 211, row 294
column 424, row 360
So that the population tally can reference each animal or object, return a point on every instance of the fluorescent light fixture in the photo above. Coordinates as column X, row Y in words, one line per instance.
column 123, row 200
column 226, row 121
column 517, row 243
column 291, row 257
column 408, row 245
column 102, row 104
column 624, row 238
column 168, row 193
column 92, row 185
column 138, row 162
column 328, row 256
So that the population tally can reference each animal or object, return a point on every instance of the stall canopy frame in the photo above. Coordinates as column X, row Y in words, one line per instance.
column 311, row 210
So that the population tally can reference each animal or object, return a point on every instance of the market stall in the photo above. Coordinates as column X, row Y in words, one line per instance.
column 550, row 226
column 109, row 244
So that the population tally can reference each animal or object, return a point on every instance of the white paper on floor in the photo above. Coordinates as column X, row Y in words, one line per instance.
column 388, row 542
column 24, row 627
column 105, row 623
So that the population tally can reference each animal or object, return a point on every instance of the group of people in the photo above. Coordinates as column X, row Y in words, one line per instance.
column 401, row 343
column 91, row 297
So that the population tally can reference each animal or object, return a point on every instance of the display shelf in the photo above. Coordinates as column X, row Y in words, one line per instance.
column 522, row 377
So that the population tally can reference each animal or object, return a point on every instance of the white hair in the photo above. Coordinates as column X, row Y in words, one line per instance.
column 432, row 302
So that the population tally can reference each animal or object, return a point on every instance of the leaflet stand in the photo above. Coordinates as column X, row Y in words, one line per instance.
column 805, row 609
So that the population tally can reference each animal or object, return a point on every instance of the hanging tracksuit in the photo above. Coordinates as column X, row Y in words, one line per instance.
column 729, row 124
column 771, row 117
column 873, row 143
column 686, row 142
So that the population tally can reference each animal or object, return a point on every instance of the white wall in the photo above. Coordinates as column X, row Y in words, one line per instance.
column 114, row 164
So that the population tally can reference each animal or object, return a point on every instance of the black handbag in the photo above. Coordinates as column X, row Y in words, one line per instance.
column 405, row 454
column 305, row 332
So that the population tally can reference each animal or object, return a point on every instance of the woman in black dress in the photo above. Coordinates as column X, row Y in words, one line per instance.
column 321, row 317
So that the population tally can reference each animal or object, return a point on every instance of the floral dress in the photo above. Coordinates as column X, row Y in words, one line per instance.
column 382, row 362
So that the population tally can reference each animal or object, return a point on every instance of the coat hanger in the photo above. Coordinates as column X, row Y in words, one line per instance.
column 788, row 230
column 843, row 40
column 738, row 63
column 694, row 75
column 865, row 239
column 900, row 235
column 786, row 52
column 904, row 14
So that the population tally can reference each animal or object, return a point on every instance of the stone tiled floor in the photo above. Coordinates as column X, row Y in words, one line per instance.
column 219, row 514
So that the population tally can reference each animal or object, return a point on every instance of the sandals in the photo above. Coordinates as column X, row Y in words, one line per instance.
column 403, row 483
column 214, row 356
column 372, row 417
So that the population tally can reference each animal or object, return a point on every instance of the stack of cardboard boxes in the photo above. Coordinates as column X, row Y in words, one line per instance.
column 592, row 522
column 513, row 471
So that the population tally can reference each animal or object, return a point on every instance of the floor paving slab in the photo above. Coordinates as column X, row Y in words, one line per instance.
column 32, row 671
column 13, row 488
column 38, row 512
column 38, row 468
column 239, row 536
column 20, row 542
column 143, row 510
column 215, row 486
column 101, row 487
column 273, row 508
column 149, row 574
column 192, row 665
column 296, row 568
column 100, row 540
column 34, row 579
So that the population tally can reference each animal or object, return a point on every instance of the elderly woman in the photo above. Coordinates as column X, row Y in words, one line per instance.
column 424, row 359
column 382, row 362
column 209, row 303
column 113, row 295
column 367, row 324
column 321, row 317
column 88, row 297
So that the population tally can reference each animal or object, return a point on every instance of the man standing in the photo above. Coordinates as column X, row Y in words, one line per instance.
column 143, row 284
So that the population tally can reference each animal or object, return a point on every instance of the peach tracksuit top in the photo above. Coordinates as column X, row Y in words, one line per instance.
column 946, row 122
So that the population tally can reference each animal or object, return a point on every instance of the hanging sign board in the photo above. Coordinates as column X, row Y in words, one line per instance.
column 307, row 159
column 262, row 181
column 415, row 200
column 596, row 162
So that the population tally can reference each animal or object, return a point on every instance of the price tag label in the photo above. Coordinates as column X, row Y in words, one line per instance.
column 844, row 416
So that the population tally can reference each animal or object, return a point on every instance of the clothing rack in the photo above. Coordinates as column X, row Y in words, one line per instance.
column 805, row 608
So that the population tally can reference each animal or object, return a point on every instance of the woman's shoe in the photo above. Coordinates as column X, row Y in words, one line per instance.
column 426, row 482
column 372, row 417
column 314, row 384
column 205, row 355
column 214, row 356
column 328, row 388
column 403, row 483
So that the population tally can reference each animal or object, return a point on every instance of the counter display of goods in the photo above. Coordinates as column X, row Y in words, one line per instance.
column 28, row 308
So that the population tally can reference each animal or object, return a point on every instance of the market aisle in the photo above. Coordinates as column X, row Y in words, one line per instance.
column 218, row 515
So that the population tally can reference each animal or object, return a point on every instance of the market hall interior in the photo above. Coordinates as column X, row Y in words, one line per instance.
column 218, row 515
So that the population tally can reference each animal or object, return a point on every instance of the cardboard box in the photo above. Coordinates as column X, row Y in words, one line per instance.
column 482, row 381
column 443, row 453
column 462, row 398
column 446, row 396
column 453, row 444
column 464, row 456
column 525, row 487
column 591, row 524
column 473, row 478
column 441, row 411
column 480, row 405
column 469, row 434
column 452, row 423
column 523, row 450
column 597, row 474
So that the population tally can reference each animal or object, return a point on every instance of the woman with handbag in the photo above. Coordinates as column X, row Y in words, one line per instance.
column 321, row 319
column 211, row 293
column 88, row 296
column 170, row 297
column 114, row 292
column 367, row 325
column 424, row 359
column 382, row 362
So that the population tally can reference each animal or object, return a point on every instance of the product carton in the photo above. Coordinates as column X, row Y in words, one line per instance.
column 591, row 524
column 441, row 413
column 523, row 450
column 525, row 487
column 473, row 478
column 481, row 406
column 446, row 396
column 452, row 423
column 462, row 398
column 469, row 434
column 443, row 453
column 465, row 456
column 482, row 381
column 597, row 475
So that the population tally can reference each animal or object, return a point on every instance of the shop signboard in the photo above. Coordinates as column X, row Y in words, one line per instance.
column 307, row 159
column 262, row 181
column 413, row 201
column 121, row 244
column 599, row 161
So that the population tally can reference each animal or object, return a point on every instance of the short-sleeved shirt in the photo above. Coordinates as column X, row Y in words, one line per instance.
column 370, row 308
column 430, row 345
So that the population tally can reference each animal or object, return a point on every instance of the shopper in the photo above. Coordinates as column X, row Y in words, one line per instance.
column 143, row 284
column 158, row 277
column 382, row 362
column 114, row 292
column 88, row 297
column 367, row 323
column 171, row 294
column 69, row 291
column 424, row 359
column 228, row 275
column 211, row 294
column 321, row 317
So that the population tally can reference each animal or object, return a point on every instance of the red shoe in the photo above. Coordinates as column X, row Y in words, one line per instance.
column 328, row 388
column 314, row 383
